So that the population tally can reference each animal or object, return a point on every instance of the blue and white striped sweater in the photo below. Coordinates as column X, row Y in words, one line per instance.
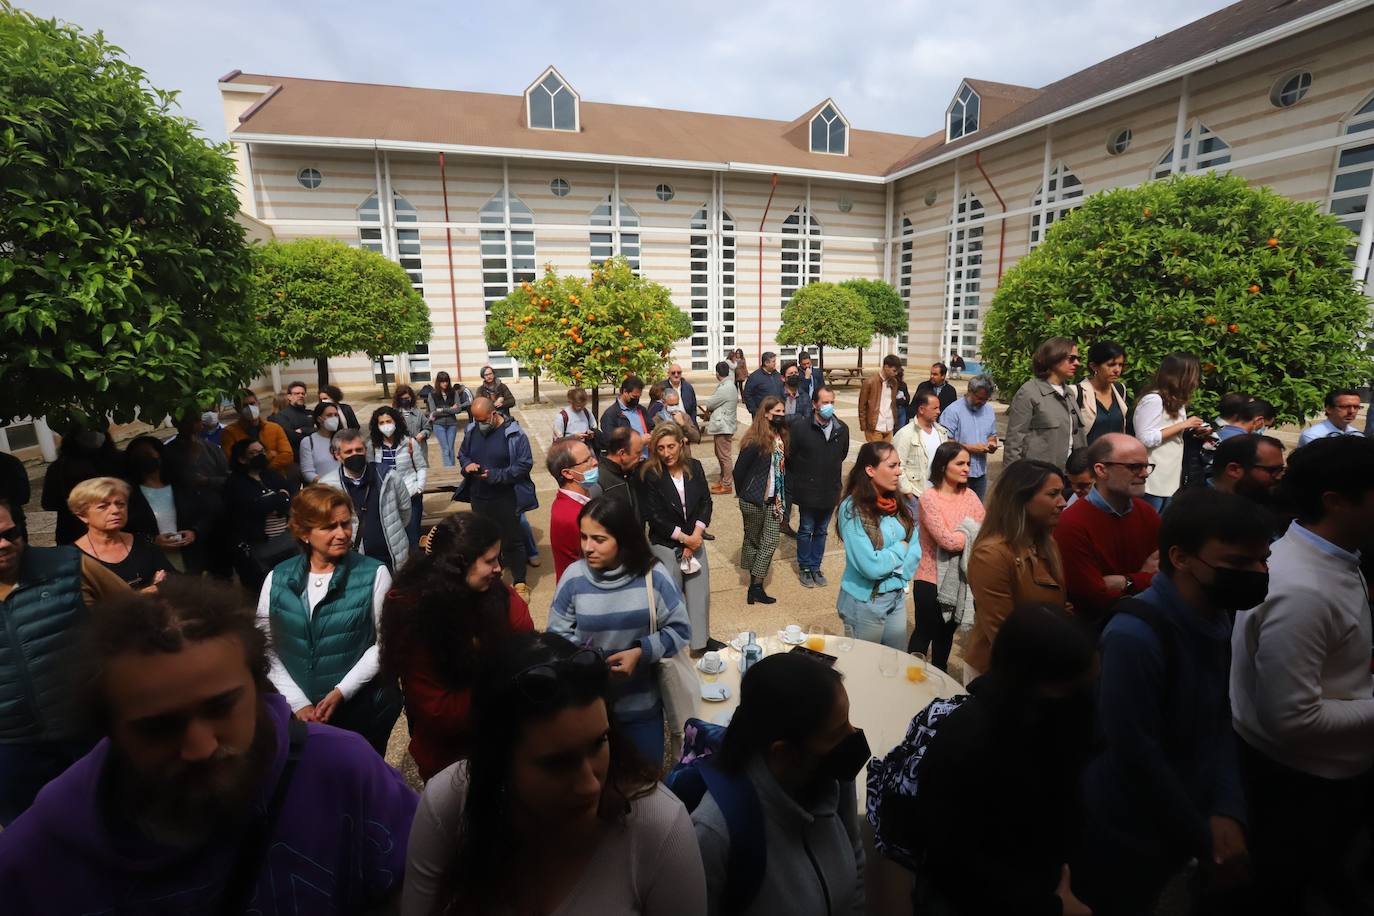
column 610, row 612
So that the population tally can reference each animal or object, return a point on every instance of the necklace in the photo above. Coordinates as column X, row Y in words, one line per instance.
column 318, row 579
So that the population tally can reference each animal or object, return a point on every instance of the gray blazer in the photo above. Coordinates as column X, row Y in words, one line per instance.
column 393, row 502
column 1043, row 424
column 724, row 406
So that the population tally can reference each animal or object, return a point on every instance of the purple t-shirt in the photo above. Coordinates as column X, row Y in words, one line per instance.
column 339, row 844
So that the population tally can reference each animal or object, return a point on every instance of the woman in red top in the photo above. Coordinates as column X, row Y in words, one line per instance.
column 448, row 606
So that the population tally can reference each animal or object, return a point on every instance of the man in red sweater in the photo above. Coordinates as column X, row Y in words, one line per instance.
column 1110, row 540
column 574, row 466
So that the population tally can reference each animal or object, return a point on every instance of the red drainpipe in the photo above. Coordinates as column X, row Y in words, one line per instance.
column 1002, row 234
column 761, row 224
column 452, row 287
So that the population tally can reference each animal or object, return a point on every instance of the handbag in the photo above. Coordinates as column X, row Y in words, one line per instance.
column 676, row 677
column 274, row 550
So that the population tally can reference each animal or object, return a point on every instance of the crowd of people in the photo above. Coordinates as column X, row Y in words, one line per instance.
column 1167, row 655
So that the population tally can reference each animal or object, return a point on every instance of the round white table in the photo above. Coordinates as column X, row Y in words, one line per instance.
column 883, row 707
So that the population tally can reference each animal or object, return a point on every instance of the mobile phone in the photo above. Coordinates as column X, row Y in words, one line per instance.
column 821, row 657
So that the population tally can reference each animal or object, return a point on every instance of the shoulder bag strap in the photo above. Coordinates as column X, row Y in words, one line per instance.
column 252, row 853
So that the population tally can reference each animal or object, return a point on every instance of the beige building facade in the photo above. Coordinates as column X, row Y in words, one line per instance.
column 472, row 193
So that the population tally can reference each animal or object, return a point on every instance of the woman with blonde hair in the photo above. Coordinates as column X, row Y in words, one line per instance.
column 1162, row 424
column 675, row 501
column 1015, row 560
column 102, row 503
column 759, row 481
column 323, row 612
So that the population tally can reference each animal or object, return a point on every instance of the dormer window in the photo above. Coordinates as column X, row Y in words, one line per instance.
column 962, row 117
column 551, row 103
column 830, row 132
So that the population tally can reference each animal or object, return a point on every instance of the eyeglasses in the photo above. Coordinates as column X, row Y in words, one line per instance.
column 544, row 682
column 1134, row 467
column 1273, row 470
column 675, row 374
column 11, row 534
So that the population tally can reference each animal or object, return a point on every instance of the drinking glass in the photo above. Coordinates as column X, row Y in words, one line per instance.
column 916, row 667
column 887, row 662
column 815, row 640
column 844, row 643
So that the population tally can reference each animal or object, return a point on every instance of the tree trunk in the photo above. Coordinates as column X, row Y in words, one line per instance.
column 861, row 357
column 322, row 371
column 596, row 400
column 820, row 359
column 536, row 388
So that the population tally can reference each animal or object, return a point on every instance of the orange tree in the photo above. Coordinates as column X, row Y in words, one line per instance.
column 826, row 315
column 589, row 333
column 1257, row 285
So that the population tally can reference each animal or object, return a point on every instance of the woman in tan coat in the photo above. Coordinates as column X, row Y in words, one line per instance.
column 1015, row 560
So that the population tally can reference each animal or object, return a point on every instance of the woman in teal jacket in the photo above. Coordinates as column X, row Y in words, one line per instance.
column 881, row 551
column 323, row 611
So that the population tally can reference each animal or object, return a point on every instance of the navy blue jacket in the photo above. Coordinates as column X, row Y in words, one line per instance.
column 506, row 458
column 615, row 416
column 759, row 386
column 688, row 395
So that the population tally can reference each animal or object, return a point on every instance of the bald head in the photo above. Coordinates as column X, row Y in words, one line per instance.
column 482, row 409
column 1120, row 466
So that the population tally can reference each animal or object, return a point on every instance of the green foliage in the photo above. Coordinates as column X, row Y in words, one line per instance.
column 826, row 315
column 318, row 298
column 589, row 333
column 1257, row 285
column 884, row 304
column 123, row 274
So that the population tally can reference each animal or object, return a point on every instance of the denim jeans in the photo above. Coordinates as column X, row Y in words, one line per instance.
column 647, row 736
column 531, row 548
column 979, row 485
column 447, row 436
column 811, row 534
column 881, row 620
column 417, row 510
column 26, row 768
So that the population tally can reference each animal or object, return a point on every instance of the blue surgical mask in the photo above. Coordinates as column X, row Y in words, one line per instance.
column 591, row 477
column 826, row 411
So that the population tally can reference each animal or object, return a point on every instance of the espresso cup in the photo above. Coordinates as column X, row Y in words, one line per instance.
column 793, row 632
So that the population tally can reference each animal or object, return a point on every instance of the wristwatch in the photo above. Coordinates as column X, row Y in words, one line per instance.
column 1130, row 586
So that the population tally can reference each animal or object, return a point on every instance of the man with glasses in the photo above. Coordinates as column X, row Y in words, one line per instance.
column 1109, row 541
column 1342, row 407
column 1250, row 466
column 686, row 394
column 574, row 468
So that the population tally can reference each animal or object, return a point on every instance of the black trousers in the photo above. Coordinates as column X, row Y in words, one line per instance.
column 931, row 636
column 1301, row 829
column 500, row 508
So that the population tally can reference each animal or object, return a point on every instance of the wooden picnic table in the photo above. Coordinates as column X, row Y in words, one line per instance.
column 846, row 374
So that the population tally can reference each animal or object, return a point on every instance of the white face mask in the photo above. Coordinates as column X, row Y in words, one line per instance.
column 386, row 429
column 209, row 418
column 252, row 411
column 331, row 424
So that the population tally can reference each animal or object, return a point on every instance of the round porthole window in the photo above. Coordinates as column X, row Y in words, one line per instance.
column 559, row 187
column 310, row 179
column 845, row 204
column 1119, row 142
column 665, row 192
column 1289, row 89
column 931, row 196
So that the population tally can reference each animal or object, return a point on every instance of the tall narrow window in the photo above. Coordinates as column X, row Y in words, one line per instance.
column 829, row 132
column 1065, row 190
column 801, row 257
column 904, row 268
column 507, row 260
column 1209, row 151
column 712, row 333
column 406, row 244
column 962, row 117
column 1353, row 183
column 552, row 104
column 610, row 243
column 964, row 283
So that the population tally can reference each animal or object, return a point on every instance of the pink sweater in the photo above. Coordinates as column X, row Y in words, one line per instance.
column 941, row 516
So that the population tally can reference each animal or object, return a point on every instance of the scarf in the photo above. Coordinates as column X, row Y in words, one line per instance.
column 887, row 505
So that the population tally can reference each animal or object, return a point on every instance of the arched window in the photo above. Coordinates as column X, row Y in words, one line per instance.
column 507, row 260
column 962, row 116
column 1353, row 183
column 964, row 282
column 712, row 333
column 1064, row 186
column 551, row 103
column 1208, row 152
column 829, row 132
column 616, row 241
column 405, row 245
column 801, row 257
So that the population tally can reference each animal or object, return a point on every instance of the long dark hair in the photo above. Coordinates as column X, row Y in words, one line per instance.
column 1006, row 508
column 432, row 610
column 620, row 520
column 761, row 433
column 946, row 453
column 1179, row 375
column 374, row 431
column 480, row 878
column 784, row 697
column 864, row 496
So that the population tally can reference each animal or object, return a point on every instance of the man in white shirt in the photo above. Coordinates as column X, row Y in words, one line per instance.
column 1302, row 695
column 917, row 441
column 1342, row 407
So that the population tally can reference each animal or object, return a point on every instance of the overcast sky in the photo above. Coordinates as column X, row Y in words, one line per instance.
column 890, row 64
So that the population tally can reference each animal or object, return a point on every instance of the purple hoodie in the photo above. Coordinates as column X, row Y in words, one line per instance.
column 339, row 845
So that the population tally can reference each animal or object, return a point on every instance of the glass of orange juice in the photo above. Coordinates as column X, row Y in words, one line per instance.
column 915, row 667
column 815, row 640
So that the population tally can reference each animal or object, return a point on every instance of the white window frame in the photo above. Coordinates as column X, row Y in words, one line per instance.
column 507, row 260
column 829, row 123
column 1352, row 182
column 408, row 252
column 713, row 331
column 538, row 84
column 1192, row 163
column 800, row 259
column 1280, row 88
column 1114, row 146
column 964, row 281
column 1064, row 187
column 962, row 95
column 615, row 240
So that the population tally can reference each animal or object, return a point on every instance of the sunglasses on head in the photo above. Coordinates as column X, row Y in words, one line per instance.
column 545, row 681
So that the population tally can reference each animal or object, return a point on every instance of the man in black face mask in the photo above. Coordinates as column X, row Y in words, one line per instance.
column 1166, row 788
column 381, row 501
column 1300, row 682
column 496, row 460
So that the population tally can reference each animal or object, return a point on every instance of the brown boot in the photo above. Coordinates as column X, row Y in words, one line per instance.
column 721, row 488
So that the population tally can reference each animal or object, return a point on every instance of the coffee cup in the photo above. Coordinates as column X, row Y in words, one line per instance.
column 793, row 633
column 711, row 661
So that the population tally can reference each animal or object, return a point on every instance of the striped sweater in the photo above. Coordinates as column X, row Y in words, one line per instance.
column 610, row 611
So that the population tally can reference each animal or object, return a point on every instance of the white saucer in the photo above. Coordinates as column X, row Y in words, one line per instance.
column 715, row 693
column 800, row 640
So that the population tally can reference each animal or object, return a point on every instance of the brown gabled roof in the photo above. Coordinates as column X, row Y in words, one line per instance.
column 323, row 108
column 1210, row 33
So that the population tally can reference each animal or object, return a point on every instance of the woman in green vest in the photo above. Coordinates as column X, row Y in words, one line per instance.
column 323, row 611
